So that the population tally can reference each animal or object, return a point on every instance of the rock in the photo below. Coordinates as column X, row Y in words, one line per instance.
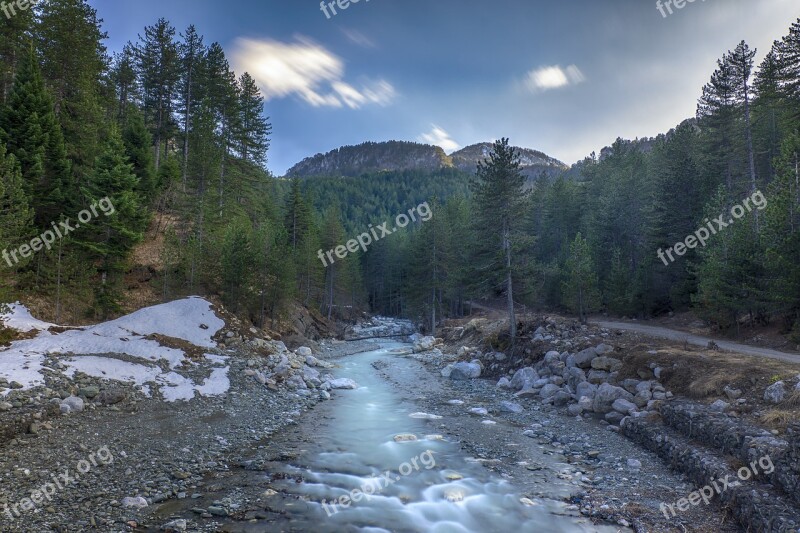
column 424, row 344
column 511, row 407
column 134, row 503
column 217, row 510
column 111, row 396
column 465, row 371
column 719, row 406
column 480, row 411
column 606, row 395
column 524, row 378
column 405, row 437
column 504, row 383
column 561, row 398
column 425, row 416
column 586, row 403
column 343, row 383
column 575, row 409
column 304, row 351
column 5, row 406
column 775, row 393
column 584, row 358
column 549, row 390
column 731, row 393
column 608, row 364
column 89, row 392
column 585, row 390
column 623, row 406
column 634, row 464
column 175, row 525
column 73, row 404
column 603, row 349
column 597, row 377
column 614, row 417
column 446, row 371
column 551, row 357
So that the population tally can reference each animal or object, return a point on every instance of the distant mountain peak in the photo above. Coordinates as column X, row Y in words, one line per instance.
column 370, row 157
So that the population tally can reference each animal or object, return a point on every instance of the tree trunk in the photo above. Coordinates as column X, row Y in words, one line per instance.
column 509, row 284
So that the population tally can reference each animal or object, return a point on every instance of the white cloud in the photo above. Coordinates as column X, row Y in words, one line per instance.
column 439, row 137
column 306, row 70
column 555, row 77
column 358, row 38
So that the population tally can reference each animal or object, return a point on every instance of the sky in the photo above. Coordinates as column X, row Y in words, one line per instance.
column 565, row 77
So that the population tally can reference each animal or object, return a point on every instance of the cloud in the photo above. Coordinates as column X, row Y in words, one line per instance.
column 555, row 77
column 439, row 137
column 358, row 38
column 308, row 71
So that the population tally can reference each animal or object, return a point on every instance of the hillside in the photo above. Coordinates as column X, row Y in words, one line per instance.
column 372, row 157
column 533, row 162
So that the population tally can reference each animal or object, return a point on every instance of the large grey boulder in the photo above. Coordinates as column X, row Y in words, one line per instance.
column 606, row 396
column 424, row 344
column 343, row 383
column 464, row 371
column 549, row 390
column 585, row 390
column 609, row 364
column 584, row 358
column 775, row 393
column 524, row 378
column 623, row 406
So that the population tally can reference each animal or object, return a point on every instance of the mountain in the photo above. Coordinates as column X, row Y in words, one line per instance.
column 393, row 156
column 533, row 162
column 372, row 157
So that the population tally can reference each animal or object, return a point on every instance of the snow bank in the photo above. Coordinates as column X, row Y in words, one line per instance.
column 91, row 350
column 20, row 319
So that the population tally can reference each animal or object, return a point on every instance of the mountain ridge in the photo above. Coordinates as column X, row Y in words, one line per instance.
column 371, row 157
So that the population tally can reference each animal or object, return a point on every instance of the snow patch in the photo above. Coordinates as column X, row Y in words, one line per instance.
column 19, row 318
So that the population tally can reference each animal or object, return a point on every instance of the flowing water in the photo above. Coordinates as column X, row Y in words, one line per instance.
column 351, row 475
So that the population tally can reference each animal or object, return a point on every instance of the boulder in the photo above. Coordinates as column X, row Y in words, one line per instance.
column 775, row 393
column 73, row 404
column 343, row 383
column 731, row 393
column 524, row 378
column 575, row 409
column 584, row 358
column 719, row 406
column 549, row 390
column 304, row 351
column 464, row 371
column 511, row 407
column 585, row 390
column 606, row 396
column 424, row 344
column 504, row 383
column 623, row 406
column 561, row 398
column 609, row 364
column 598, row 377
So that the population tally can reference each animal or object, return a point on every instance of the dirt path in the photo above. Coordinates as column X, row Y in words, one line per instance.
column 680, row 336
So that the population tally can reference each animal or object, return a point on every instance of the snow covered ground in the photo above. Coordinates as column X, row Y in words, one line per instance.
column 95, row 350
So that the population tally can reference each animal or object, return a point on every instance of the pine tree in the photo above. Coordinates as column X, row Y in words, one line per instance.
column 500, row 202
column 16, row 217
column 581, row 285
column 117, row 227
column 253, row 129
column 14, row 46
column 191, row 51
column 158, row 66
column 124, row 79
column 32, row 133
column 74, row 61
column 139, row 150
